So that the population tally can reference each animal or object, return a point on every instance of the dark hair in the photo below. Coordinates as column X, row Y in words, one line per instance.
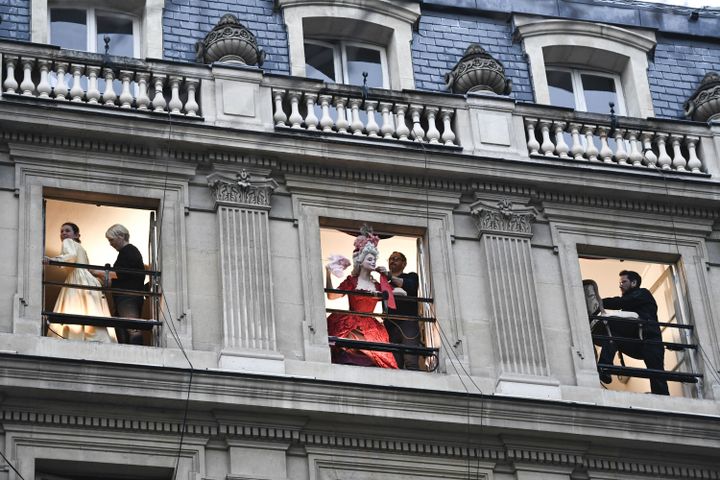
column 401, row 256
column 75, row 229
column 632, row 276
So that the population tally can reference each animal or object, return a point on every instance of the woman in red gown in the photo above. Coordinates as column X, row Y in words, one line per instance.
column 357, row 327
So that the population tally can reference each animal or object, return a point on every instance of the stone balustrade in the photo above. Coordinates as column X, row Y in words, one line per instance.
column 346, row 112
column 87, row 79
column 637, row 145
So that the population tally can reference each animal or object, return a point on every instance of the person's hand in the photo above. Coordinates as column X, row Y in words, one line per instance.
column 384, row 272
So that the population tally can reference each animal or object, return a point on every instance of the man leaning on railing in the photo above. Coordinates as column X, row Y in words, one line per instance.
column 640, row 301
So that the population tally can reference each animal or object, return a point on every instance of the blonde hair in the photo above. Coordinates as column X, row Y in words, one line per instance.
column 117, row 231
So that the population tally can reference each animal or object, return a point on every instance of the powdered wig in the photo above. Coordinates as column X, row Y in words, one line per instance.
column 365, row 243
column 118, row 231
column 359, row 257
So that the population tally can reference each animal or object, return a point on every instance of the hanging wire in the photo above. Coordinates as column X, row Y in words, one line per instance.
column 11, row 465
column 450, row 347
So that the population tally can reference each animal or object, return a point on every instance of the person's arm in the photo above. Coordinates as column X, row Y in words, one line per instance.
column 68, row 253
column 632, row 301
column 410, row 283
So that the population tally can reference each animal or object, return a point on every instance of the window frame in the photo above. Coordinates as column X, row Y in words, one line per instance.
column 579, row 91
column 339, row 48
column 91, row 14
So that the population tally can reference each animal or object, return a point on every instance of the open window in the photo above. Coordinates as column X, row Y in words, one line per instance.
column 413, row 338
column 96, row 289
column 50, row 469
column 664, row 282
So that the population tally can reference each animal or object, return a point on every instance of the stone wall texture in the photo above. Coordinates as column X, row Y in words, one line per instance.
column 441, row 40
column 676, row 71
column 187, row 21
column 15, row 19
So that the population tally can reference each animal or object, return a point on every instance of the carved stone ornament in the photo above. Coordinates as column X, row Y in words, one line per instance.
column 229, row 42
column 704, row 104
column 242, row 191
column 478, row 71
column 504, row 218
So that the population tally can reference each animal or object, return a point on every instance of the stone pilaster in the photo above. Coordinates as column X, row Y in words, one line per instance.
column 505, row 232
column 242, row 206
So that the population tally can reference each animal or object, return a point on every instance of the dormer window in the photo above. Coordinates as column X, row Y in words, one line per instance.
column 345, row 62
column 86, row 29
column 585, row 91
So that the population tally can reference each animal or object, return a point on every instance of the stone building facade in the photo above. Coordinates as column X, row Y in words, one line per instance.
column 480, row 141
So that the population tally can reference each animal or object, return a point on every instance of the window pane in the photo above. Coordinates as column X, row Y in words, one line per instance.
column 120, row 31
column 599, row 91
column 561, row 89
column 68, row 28
column 319, row 62
column 361, row 60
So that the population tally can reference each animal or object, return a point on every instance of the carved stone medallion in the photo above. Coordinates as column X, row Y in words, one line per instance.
column 504, row 218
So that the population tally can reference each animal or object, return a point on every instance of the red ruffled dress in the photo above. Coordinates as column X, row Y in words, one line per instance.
column 356, row 327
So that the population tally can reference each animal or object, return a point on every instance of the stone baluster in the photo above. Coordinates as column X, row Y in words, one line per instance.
column 401, row 129
column 43, row 87
column 143, row 99
column 175, row 104
column 448, row 136
column 387, row 128
column 417, row 132
column 93, row 93
column 279, row 117
column 577, row 150
column 505, row 232
column 433, row 134
column 61, row 86
column 109, row 95
column 243, row 206
column 678, row 161
column 311, row 120
column 372, row 127
column 649, row 156
column 158, row 101
column 606, row 152
column 621, row 155
column 341, row 121
column 591, row 151
column 27, row 86
column 532, row 143
column 126, row 97
column 356, row 125
column 635, row 156
column 326, row 121
column 76, row 91
column 295, row 118
column 664, row 160
column 10, row 84
column 547, row 146
column 694, row 163
column 561, row 147
column 191, row 105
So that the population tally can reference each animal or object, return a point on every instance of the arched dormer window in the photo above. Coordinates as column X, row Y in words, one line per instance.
column 600, row 63
column 335, row 41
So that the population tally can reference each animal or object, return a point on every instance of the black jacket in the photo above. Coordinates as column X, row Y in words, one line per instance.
column 640, row 301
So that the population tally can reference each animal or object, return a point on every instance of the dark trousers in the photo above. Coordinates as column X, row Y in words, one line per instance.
column 652, row 354
column 404, row 332
column 128, row 307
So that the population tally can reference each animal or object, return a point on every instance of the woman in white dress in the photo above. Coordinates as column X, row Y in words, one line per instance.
column 75, row 300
